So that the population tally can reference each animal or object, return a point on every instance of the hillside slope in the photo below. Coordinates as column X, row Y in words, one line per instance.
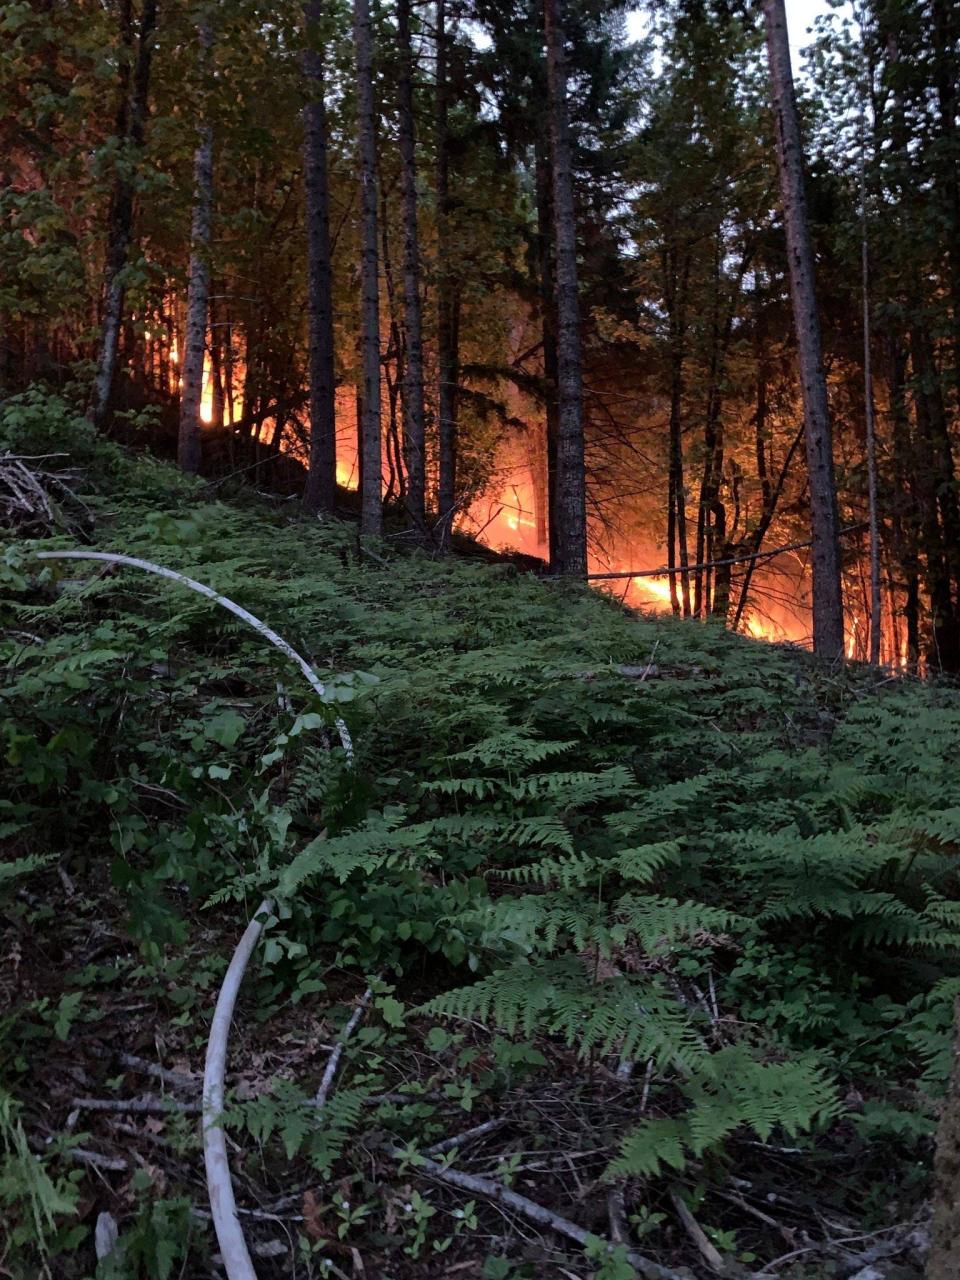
column 671, row 913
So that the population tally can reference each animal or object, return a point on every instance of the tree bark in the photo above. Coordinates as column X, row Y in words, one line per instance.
column 675, row 282
column 121, row 208
column 868, row 411
column 198, row 291
column 944, row 1260
column 320, row 494
column 448, row 305
column 414, row 435
column 548, row 332
column 824, row 521
column 371, row 507
column 571, row 478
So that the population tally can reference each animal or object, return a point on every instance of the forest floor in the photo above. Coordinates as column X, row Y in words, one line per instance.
column 613, row 926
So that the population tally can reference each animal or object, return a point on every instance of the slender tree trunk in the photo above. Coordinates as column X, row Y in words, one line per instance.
column 677, row 482
column 198, row 291
column 571, row 477
column 548, row 330
column 321, row 489
column 448, row 305
column 907, row 503
column 414, row 433
column 710, row 480
column 396, row 477
column 939, row 520
column 946, row 30
column 870, row 424
column 371, row 507
column 827, row 596
column 121, row 213
column 675, row 280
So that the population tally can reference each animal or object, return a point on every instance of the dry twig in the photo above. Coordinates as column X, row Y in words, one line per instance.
column 334, row 1060
column 507, row 1199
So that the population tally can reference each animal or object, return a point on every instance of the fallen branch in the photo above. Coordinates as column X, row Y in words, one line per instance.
column 333, row 1061
column 617, row 1214
column 708, row 1251
column 147, row 1105
column 507, row 1199
column 115, row 1164
column 175, row 1079
column 468, row 1135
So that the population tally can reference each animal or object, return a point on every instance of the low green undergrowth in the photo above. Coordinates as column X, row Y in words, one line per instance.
column 582, row 851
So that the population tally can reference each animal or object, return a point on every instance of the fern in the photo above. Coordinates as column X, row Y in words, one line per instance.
column 616, row 1015
column 727, row 1091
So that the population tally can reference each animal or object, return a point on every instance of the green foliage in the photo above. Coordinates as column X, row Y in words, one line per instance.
column 739, row 874
column 156, row 1241
column 34, row 1198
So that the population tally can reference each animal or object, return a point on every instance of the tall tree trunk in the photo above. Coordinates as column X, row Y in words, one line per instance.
column 371, row 507
column 827, row 595
column 198, row 291
column 571, row 477
column 448, row 303
column 868, row 413
column 907, row 502
column 946, row 68
column 414, row 434
column 121, row 209
column 940, row 519
column 675, row 280
column 548, row 332
column 321, row 489
column 944, row 1260
column 396, row 476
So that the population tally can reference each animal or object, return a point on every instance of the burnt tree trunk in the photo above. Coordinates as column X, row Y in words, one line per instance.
column 371, row 507
column 132, row 118
column 571, row 477
column 824, row 521
column 320, row 494
column 414, row 433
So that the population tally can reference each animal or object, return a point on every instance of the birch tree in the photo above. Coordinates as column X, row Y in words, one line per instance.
column 189, row 446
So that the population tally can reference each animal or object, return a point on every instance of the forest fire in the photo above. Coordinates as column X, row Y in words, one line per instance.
column 512, row 521
column 511, row 517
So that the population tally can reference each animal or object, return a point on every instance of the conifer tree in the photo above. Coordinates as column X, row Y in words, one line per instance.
column 571, row 511
column 371, row 510
column 414, row 435
column 827, row 599
column 132, row 110
column 320, row 493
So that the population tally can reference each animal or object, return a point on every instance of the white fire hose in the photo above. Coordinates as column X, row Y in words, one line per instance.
column 223, row 1207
